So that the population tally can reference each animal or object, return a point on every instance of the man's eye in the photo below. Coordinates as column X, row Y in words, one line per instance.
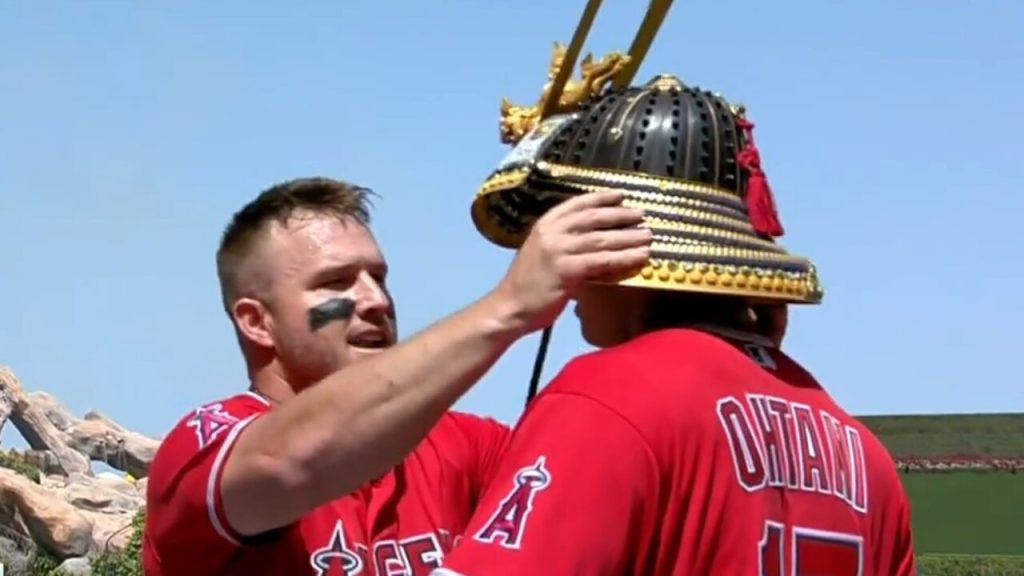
column 338, row 283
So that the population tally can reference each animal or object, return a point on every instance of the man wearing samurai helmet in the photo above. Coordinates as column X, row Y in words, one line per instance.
column 689, row 443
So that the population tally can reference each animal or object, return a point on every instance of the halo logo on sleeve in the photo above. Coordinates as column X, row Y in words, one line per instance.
column 211, row 421
column 507, row 525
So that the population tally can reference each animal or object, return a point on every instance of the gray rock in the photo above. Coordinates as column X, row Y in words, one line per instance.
column 16, row 552
column 76, row 567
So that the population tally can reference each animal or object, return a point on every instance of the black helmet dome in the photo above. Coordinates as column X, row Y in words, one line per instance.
column 684, row 155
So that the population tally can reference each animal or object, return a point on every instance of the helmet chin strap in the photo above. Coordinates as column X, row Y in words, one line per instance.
column 538, row 364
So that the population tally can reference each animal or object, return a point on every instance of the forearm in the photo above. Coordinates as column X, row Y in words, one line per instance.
column 361, row 421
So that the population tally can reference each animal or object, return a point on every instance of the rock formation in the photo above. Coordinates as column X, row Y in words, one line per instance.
column 66, row 509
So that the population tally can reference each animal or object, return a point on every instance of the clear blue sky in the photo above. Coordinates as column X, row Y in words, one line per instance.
column 130, row 132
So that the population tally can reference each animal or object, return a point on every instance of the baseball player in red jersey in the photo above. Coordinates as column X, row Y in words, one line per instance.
column 343, row 458
column 689, row 443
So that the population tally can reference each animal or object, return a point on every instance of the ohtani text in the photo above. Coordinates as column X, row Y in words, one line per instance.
column 778, row 443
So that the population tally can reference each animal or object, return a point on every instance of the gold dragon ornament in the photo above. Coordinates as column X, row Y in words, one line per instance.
column 517, row 121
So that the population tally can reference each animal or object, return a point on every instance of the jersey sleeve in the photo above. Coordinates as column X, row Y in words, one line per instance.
column 890, row 512
column 185, row 521
column 903, row 561
column 571, row 496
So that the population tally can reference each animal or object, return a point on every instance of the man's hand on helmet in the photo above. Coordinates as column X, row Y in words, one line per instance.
column 588, row 237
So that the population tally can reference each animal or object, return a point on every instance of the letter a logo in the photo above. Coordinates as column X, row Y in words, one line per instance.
column 209, row 422
column 508, row 523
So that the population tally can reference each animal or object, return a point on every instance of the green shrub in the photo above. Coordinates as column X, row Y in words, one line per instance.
column 962, row 565
column 128, row 562
column 43, row 564
column 12, row 460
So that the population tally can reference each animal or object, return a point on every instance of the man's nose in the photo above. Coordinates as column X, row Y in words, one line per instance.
column 372, row 298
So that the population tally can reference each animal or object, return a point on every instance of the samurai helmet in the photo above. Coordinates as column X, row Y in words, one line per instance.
column 684, row 155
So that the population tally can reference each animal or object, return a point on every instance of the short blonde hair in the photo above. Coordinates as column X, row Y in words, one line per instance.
column 279, row 204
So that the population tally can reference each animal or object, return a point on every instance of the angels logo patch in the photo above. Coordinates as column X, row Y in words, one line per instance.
column 508, row 523
column 209, row 422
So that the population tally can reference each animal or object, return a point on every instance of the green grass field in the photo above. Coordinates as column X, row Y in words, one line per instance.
column 982, row 435
column 965, row 522
column 967, row 512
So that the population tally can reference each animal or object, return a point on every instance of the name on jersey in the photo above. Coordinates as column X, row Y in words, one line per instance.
column 413, row 556
column 783, row 444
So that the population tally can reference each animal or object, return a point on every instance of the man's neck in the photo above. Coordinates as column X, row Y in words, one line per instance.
column 270, row 385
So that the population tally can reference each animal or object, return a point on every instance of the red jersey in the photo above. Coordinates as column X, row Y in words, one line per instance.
column 682, row 453
column 402, row 523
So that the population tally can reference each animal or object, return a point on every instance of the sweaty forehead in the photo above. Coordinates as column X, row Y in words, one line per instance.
column 313, row 240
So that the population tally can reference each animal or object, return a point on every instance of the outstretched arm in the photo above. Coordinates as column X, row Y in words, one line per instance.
column 362, row 420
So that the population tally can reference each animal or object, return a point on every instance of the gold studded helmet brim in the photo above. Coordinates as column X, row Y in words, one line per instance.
column 703, row 239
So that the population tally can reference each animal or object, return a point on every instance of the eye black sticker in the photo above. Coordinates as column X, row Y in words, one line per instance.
column 326, row 312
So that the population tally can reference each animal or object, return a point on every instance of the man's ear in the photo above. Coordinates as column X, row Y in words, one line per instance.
column 253, row 322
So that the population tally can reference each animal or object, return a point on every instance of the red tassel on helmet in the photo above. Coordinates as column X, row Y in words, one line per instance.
column 760, row 203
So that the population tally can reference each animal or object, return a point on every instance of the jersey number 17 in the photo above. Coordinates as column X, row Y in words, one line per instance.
column 813, row 551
